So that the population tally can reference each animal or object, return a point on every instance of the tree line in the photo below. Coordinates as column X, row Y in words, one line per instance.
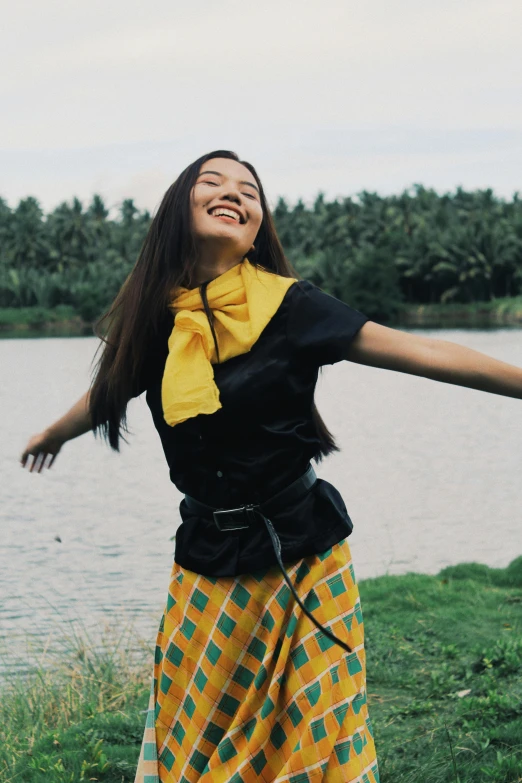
column 375, row 252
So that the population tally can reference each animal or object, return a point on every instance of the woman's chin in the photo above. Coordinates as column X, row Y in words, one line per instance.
column 220, row 239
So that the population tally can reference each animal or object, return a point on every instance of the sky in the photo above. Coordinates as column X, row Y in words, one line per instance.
column 117, row 97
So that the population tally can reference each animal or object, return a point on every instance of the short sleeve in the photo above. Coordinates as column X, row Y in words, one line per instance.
column 320, row 326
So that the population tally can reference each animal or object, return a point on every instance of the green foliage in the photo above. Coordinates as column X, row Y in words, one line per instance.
column 71, row 256
column 418, row 247
column 78, row 715
column 501, row 577
column 35, row 316
column 372, row 284
column 376, row 253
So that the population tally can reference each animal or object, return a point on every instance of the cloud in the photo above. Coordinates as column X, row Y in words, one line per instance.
column 340, row 162
column 277, row 81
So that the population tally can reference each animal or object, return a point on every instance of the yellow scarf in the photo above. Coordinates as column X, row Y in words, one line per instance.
column 243, row 300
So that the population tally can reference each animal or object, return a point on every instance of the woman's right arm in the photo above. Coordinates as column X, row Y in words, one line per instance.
column 44, row 447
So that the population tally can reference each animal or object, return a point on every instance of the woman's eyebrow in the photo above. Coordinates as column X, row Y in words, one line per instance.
column 242, row 182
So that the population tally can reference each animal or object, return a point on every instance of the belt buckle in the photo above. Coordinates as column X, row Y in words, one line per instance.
column 221, row 514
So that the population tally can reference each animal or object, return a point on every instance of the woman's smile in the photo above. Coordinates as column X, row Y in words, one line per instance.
column 228, row 212
column 226, row 218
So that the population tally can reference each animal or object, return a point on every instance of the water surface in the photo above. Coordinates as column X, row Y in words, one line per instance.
column 430, row 473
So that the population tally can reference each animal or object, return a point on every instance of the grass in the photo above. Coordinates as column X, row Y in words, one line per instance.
column 504, row 310
column 78, row 716
column 445, row 674
column 444, row 678
column 40, row 319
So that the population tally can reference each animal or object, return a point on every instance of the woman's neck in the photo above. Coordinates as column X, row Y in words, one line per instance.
column 205, row 272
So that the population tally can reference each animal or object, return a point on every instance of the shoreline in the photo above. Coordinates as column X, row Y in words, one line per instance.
column 39, row 322
column 65, row 321
column 498, row 312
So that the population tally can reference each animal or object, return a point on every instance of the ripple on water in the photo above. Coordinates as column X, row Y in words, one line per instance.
column 429, row 473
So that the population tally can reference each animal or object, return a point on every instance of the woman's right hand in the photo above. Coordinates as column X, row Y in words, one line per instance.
column 43, row 449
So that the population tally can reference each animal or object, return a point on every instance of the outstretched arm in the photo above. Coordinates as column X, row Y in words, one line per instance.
column 439, row 360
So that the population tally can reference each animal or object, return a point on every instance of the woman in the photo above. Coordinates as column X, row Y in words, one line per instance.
column 259, row 671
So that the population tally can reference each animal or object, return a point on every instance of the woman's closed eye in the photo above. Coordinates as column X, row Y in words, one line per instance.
column 209, row 182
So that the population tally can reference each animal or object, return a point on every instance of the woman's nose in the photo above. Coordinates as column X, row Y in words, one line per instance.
column 232, row 195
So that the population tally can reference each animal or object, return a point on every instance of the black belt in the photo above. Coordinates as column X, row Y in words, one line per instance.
column 246, row 516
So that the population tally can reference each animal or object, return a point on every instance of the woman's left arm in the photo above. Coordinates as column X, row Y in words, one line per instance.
column 439, row 360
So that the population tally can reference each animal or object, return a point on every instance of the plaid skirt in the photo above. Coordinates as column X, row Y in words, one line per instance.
column 246, row 688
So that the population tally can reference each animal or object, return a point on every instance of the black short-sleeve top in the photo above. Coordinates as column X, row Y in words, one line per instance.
column 260, row 440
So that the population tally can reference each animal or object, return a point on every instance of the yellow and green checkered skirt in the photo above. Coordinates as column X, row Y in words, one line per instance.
column 246, row 688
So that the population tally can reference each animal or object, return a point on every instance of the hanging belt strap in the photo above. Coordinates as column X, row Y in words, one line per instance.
column 246, row 516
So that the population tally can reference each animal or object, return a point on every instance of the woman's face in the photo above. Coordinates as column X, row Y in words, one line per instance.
column 225, row 184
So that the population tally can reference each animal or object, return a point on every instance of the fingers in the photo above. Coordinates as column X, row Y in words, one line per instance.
column 37, row 458
column 38, row 461
column 24, row 459
column 39, row 453
column 29, row 451
column 47, row 461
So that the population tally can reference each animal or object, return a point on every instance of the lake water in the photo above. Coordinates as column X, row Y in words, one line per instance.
column 430, row 473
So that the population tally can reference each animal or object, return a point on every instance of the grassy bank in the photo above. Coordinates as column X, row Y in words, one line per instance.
column 33, row 321
column 445, row 674
column 78, row 716
column 444, row 678
column 497, row 312
column 41, row 320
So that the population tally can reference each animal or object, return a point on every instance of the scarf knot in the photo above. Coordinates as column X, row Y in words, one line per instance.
column 242, row 301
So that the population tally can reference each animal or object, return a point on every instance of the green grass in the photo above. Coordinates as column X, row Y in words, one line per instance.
column 78, row 716
column 27, row 322
column 505, row 310
column 444, row 678
column 445, row 674
column 36, row 316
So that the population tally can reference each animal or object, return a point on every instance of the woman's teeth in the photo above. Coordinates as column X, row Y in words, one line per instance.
column 226, row 213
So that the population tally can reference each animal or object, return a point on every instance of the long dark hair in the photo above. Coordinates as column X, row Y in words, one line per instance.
column 167, row 259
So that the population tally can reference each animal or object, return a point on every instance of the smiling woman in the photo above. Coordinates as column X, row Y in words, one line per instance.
column 259, row 670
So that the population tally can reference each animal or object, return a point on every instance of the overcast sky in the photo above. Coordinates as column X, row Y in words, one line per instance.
column 117, row 96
